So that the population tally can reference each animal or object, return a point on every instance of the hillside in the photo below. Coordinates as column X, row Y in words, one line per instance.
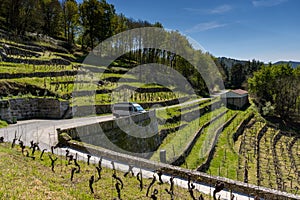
column 52, row 67
column 40, row 67
column 225, row 140
column 40, row 76
column 294, row 64
column 26, row 178
column 230, row 62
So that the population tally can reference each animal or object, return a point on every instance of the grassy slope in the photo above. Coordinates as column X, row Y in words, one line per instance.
column 175, row 143
column 52, row 83
column 225, row 157
column 3, row 124
column 199, row 152
column 24, row 178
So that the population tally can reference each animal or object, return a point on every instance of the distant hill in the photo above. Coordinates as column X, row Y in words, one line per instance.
column 292, row 63
column 229, row 62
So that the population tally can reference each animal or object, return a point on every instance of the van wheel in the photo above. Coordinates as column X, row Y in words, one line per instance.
column 117, row 116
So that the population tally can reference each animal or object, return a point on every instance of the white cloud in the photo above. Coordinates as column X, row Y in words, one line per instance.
column 205, row 26
column 217, row 10
column 196, row 10
column 267, row 3
column 221, row 9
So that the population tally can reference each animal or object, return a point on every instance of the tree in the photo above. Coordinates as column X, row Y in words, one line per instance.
column 96, row 18
column 71, row 19
column 106, row 22
column 19, row 16
column 276, row 86
column 14, row 15
column 285, row 93
column 237, row 75
column 261, row 85
column 52, row 17
column 31, row 16
column 4, row 12
column 90, row 15
column 119, row 23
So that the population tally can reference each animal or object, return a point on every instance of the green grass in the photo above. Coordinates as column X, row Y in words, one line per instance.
column 64, row 54
column 171, row 125
column 20, row 45
column 14, row 68
column 166, row 113
column 124, row 63
column 98, row 99
column 225, row 160
column 24, row 178
column 108, row 75
column 175, row 142
column 200, row 150
column 3, row 124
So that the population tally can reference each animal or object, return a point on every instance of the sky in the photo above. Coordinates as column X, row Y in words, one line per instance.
column 265, row 30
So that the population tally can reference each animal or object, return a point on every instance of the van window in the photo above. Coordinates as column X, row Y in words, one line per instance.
column 138, row 108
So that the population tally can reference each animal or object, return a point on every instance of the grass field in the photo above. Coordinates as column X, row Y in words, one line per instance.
column 25, row 178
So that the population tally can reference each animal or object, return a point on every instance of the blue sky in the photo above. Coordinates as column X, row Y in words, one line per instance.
column 265, row 30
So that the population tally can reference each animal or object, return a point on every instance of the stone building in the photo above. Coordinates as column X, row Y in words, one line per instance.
column 237, row 99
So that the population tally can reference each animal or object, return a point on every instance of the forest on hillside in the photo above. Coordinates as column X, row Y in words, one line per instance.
column 274, row 88
column 86, row 24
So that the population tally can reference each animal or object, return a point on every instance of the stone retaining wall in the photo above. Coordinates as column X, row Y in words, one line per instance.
column 136, row 134
column 24, row 47
column 5, row 113
column 10, row 50
column 32, row 108
column 54, row 61
column 38, row 74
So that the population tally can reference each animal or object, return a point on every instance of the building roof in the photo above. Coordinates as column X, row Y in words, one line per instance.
column 240, row 91
column 235, row 94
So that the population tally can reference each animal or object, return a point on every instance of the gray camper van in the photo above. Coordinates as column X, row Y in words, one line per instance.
column 126, row 109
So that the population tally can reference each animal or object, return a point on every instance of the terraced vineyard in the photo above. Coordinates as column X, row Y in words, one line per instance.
column 274, row 160
column 46, row 69
column 236, row 144
column 178, row 138
column 239, row 145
